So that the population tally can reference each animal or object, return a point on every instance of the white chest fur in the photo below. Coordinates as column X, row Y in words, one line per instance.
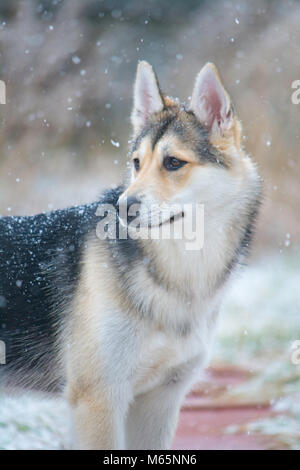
column 163, row 355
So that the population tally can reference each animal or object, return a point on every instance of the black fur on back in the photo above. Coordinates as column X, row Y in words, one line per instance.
column 39, row 266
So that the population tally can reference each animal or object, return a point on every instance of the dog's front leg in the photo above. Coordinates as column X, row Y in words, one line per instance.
column 152, row 420
column 99, row 387
column 153, row 416
column 98, row 418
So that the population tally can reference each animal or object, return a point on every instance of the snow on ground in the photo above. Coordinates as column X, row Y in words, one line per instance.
column 261, row 316
column 29, row 422
column 259, row 322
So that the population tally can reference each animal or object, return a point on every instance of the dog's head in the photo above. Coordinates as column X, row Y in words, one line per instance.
column 183, row 155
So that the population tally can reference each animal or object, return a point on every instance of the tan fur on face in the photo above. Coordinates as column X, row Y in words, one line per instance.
column 163, row 185
column 153, row 176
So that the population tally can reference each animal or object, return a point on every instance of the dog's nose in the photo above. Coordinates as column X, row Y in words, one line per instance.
column 124, row 205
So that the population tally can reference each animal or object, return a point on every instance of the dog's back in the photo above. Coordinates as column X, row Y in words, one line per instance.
column 39, row 264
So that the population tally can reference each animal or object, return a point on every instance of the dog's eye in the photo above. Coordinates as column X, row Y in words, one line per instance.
column 173, row 163
column 136, row 163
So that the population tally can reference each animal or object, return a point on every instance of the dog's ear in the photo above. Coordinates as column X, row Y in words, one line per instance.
column 211, row 103
column 147, row 97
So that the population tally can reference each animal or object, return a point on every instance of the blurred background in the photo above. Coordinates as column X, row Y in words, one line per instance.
column 69, row 67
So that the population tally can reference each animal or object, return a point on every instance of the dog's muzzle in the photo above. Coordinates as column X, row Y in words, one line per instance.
column 128, row 209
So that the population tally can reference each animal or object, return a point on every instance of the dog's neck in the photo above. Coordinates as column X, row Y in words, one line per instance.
column 200, row 270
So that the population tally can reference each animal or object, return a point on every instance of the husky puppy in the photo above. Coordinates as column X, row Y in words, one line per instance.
column 122, row 325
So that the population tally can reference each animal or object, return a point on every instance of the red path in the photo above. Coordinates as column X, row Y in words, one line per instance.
column 204, row 417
